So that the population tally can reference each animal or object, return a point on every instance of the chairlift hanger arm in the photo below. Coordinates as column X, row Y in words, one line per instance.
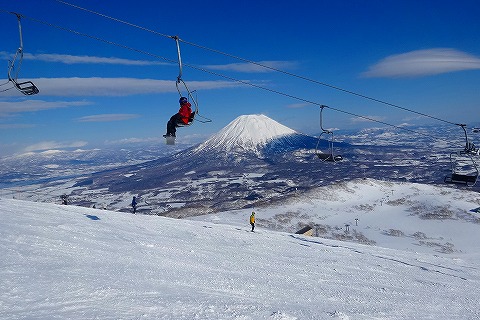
column 180, row 83
column 19, row 18
column 13, row 75
column 469, row 146
column 26, row 87
column 177, row 39
column 321, row 119
column 463, row 126
column 180, row 73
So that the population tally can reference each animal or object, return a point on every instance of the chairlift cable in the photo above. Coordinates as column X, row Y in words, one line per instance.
column 97, row 38
column 267, row 67
column 4, row 90
column 114, row 19
column 319, row 82
column 244, row 82
column 177, row 39
column 180, row 69
column 249, row 83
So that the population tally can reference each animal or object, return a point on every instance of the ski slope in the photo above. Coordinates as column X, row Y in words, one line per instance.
column 398, row 215
column 66, row 262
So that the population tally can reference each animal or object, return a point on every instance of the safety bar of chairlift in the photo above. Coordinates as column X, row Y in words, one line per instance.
column 469, row 181
column 27, row 88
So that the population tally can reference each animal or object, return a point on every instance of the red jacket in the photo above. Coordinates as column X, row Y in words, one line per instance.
column 185, row 112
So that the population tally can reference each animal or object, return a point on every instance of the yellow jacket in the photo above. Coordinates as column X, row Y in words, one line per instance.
column 252, row 218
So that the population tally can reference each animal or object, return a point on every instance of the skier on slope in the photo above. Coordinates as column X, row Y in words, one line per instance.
column 134, row 204
column 183, row 116
column 252, row 220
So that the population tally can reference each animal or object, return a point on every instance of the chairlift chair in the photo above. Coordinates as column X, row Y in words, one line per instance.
column 469, row 181
column 326, row 156
column 464, row 169
column 458, row 174
column 27, row 87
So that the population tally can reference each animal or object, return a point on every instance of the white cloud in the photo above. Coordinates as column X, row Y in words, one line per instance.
column 367, row 119
column 11, row 107
column 102, row 86
column 133, row 140
column 254, row 68
column 53, row 145
column 108, row 117
column 423, row 63
column 70, row 59
column 73, row 59
column 69, row 87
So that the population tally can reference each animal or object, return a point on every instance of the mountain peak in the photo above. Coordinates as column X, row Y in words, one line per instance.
column 247, row 133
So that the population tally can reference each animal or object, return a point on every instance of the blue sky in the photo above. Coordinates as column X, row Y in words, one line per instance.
column 115, row 84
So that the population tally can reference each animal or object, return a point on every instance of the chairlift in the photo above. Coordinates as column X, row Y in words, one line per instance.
column 183, row 88
column 464, row 169
column 326, row 156
column 26, row 87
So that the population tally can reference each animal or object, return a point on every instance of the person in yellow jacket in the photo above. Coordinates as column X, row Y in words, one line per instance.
column 252, row 220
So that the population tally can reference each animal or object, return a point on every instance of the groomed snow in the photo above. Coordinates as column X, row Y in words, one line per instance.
column 66, row 262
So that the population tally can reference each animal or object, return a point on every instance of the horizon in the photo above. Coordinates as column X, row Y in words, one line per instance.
column 93, row 93
column 252, row 128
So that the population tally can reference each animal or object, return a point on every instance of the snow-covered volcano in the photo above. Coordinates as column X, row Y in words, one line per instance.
column 250, row 130
column 251, row 134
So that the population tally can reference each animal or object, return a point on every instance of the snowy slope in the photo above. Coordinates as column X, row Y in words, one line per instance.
column 407, row 216
column 66, row 262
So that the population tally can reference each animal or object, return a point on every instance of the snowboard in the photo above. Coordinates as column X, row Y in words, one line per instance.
column 170, row 140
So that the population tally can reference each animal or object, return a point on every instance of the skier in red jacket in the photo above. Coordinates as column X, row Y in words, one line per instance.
column 183, row 117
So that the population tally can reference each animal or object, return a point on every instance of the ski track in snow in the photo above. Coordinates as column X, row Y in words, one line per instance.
column 66, row 262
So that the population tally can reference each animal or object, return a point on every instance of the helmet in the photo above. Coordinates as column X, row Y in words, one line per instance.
column 183, row 100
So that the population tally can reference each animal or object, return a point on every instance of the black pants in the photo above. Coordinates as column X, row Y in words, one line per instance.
column 253, row 226
column 172, row 124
